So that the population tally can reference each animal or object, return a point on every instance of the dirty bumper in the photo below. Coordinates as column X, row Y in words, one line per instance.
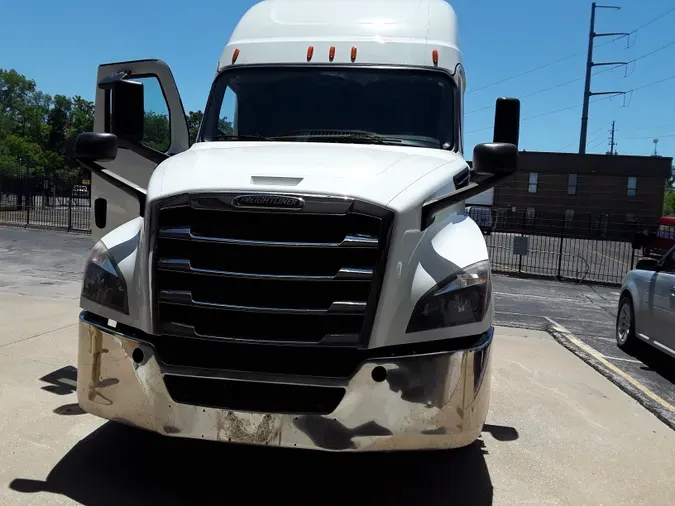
column 418, row 401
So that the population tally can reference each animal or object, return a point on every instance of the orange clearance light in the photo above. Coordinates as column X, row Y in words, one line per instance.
column 331, row 53
column 310, row 53
column 434, row 56
column 353, row 54
column 235, row 55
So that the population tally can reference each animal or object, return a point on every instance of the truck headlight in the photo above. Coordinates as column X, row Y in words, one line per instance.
column 103, row 282
column 459, row 299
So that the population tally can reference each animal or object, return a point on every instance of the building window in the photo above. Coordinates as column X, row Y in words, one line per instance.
column 631, row 218
column 569, row 216
column 534, row 179
column 571, row 184
column 632, row 186
column 529, row 215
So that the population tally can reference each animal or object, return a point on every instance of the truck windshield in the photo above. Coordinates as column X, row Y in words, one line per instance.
column 365, row 105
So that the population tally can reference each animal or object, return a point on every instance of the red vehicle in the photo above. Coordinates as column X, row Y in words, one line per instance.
column 659, row 243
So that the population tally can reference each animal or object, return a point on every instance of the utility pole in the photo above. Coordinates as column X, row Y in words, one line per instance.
column 611, row 141
column 589, row 67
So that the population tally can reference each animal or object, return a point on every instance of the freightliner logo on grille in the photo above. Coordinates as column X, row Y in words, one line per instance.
column 270, row 201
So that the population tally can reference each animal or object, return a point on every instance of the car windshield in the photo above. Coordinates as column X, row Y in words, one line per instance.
column 365, row 105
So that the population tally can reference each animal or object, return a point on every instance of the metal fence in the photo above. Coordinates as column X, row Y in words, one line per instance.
column 588, row 248
column 37, row 202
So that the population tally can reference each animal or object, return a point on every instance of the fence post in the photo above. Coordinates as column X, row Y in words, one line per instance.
column 70, row 212
column 27, row 208
column 522, row 234
column 560, row 251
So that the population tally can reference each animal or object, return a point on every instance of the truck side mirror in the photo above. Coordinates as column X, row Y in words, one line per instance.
column 127, row 107
column 507, row 121
column 495, row 159
column 96, row 146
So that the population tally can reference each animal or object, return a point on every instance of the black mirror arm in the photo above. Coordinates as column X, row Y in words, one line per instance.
column 118, row 182
column 150, row 154
column 433, row 207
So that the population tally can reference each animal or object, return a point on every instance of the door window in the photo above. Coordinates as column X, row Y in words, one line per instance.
column 156, row 127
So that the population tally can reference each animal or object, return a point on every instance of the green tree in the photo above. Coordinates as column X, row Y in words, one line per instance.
column 669, row 197
column 156, row 133
column 194, row 119
column 57, row 120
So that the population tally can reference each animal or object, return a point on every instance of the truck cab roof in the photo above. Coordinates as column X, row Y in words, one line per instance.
column 413, row 32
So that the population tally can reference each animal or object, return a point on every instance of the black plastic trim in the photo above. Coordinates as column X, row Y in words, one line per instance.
column 353, row 358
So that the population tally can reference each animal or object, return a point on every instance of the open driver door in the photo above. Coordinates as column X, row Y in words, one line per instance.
column 139, row 103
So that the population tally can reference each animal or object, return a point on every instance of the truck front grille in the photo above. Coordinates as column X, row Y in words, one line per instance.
column 307, row 275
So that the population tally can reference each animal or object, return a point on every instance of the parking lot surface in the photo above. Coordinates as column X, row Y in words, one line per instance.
column 588, row 313
column 558, row 431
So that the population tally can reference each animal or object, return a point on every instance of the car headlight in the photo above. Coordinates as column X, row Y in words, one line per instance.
column 459, row 299
column 103, row 283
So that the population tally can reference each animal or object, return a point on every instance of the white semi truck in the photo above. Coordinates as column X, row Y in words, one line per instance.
column 302, row 275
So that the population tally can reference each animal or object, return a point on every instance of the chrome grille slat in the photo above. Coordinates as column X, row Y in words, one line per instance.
column 184, row 265
column 186, row 234
column 185, row 298
column 309, row 276
column 183, row 330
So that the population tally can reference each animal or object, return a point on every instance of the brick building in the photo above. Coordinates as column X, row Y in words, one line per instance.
column 588, row 195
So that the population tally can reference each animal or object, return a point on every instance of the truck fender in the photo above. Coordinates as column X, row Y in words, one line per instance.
column 123, row 244
column 418, row 261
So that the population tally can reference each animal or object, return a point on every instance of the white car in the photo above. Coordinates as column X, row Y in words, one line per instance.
column 647, row 305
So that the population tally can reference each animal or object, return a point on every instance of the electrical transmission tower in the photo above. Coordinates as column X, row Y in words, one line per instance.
column 589, row 66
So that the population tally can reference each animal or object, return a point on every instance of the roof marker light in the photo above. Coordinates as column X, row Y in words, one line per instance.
column 310, row 53
column 331, row 53
column 353, row 54
column 434, row 56
column 235, row 55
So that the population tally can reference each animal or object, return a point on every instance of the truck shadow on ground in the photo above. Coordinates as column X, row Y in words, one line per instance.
column 120, row 465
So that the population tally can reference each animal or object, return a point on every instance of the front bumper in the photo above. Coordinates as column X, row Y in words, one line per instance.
column 431, row 400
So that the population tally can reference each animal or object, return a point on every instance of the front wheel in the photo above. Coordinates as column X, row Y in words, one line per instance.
column 625, row 325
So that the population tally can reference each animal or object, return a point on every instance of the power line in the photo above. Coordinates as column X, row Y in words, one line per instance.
column 545, row 114
column 591, row 135
column 560, row 60
column 607, row 97
column 580, row 78
column 649, row 137
column 546, row 89
column 654, row 20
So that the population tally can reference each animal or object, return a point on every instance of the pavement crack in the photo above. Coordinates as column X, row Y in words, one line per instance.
column 37, row 335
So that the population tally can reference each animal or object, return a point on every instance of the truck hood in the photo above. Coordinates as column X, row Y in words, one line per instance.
column 371, row 172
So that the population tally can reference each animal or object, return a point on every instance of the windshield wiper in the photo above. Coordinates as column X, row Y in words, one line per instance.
column 245, row 137
column 337, row 136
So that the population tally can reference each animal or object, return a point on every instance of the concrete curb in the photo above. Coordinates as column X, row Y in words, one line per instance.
column 644, row 400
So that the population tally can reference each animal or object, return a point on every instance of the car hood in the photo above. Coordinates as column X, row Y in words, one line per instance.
column 374, row 173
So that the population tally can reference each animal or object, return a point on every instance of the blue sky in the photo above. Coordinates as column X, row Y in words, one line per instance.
column 59, row 45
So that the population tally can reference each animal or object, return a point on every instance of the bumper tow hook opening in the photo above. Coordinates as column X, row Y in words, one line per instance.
column 379, row 374
column 137, row 355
